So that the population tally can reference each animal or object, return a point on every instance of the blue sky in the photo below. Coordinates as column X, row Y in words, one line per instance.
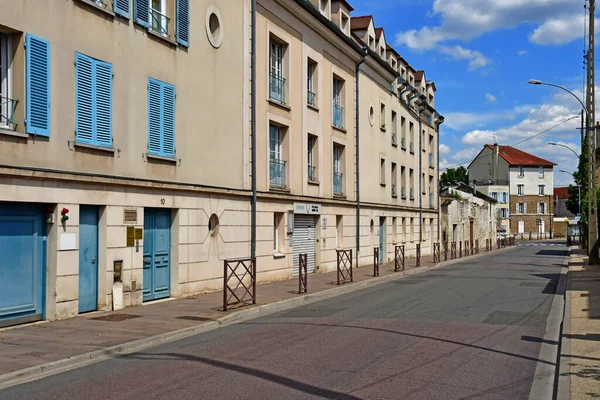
column 481, row 53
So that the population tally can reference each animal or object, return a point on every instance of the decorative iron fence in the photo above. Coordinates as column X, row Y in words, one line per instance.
column 239, row 282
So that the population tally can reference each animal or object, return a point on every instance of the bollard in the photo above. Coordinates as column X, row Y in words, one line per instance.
column 376, row 261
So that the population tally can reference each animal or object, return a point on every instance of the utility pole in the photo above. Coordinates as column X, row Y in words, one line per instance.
column 592, row 142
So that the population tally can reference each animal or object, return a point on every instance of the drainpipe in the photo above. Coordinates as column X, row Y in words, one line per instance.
column 438, row 122
column 357, row 110
column 253, row 132
column 420, row 150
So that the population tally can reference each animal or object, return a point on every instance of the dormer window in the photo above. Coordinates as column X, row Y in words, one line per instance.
column 345, row 23
column 393, row 63
column 382, row 52
column 371, row 42
column 323, row 6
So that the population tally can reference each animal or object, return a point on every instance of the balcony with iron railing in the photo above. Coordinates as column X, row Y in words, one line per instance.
column 412, row 148
column 403, row 143
column 311, row 98
column 394, row 139
column 338, row 185
column 403, row 192
column 394, row 191
column 412, row 194
column 277, row 173
column 312, row 173
column 277, row 88
column 430, row 200
column 338, row 116
column 430, row 160
column 7, row 111
column 159, row 22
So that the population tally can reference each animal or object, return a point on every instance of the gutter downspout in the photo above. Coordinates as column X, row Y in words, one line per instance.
column 357, row 106
column 253, row 132
column 440, row 121
column 420, row 178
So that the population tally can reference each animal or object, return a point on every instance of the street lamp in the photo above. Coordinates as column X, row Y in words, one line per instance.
column 566, row 147
column 578, row 190
column 592, row 216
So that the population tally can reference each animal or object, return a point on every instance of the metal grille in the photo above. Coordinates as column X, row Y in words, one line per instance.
column 239, row 282
column 303, row 242
column 303, row 274
column 399, row 258
column 130, row 216
column 344, row 266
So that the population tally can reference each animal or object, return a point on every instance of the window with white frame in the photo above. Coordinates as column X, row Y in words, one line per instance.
column 311, row 84
column 494, row 195
column 159, row 22
column 276, row 76
column 521, row 226
column 312, row 165
column 338, row 182
column 521, row 208
column 338, row 100
column 541, row 172
column 6, row 102
column 277, row 164
column 541, row 208
column 520, row 190
column 541, row 190
column 520, row 171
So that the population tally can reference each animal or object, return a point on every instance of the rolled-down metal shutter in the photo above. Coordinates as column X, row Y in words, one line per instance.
column 304, row 241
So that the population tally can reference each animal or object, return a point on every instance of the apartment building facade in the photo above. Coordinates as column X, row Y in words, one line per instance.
column 529, row 180
column 126, row 147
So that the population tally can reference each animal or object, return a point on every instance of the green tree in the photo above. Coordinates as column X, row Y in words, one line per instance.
column 454, row 175
column 581, row 178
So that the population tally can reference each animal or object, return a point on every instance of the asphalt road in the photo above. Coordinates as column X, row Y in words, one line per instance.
column 468, row 331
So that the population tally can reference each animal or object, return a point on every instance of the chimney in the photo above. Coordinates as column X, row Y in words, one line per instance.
column 495, row 163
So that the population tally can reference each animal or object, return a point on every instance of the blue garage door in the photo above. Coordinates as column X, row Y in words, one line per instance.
column 157, row 257
column 22, row 260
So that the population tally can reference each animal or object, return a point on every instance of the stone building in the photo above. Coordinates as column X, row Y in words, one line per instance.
column 467, row 214
column 126, row 147
column 529, row 180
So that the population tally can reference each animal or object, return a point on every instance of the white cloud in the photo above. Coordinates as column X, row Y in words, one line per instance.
column 490, row 98
column 459, row 53
column 444, row 149
column 468, row 19
column 558, row 30
column 522, row 52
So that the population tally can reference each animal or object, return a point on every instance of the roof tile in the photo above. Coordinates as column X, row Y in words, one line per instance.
column 518, row 157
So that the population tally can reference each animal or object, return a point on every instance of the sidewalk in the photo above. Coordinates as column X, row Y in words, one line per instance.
column 580, row 352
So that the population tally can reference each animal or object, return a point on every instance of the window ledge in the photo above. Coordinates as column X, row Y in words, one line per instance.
column 394, row 196
column 279, row 189
column 382, row 184
column 161, row 37
column 161, row 158
column 338, row 128
column 10, row 132
column 394, row 144
column 403, row 148
column 432, row 167
column 278, row 104
column 382, row 128
column 412, row 152
column 278, row 255
column 316, row 183
column 312, row 107
column 98, row 7
column 339, row 196
column 95, row 147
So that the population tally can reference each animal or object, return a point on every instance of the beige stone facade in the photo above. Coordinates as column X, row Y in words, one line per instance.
column 204, row 186
column 533, row 214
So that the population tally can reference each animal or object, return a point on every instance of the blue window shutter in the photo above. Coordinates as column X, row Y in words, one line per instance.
column 182, row 19
column 168, row 95
column 84, row 99
column 141, row 10
column 38, row 86
column 122, row 8
column 103, row 103
column 154, row 117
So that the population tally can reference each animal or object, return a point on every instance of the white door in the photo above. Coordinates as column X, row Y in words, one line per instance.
column 542, row 227
column 304, row 241
column 521, row 226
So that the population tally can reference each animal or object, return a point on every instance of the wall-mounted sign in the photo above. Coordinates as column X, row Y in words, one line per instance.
column 307, row 208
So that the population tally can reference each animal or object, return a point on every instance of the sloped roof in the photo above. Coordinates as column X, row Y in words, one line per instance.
column 419, row 75
column 348, row 6
column 360, row 23
column 518, row 157
column 561, row 192
column 378, row 33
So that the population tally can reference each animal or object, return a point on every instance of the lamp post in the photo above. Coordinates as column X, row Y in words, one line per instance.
column 578, row 190
column 592, row 216
column 566, row 147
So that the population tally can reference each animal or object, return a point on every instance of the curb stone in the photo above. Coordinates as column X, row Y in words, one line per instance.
column 81, row 360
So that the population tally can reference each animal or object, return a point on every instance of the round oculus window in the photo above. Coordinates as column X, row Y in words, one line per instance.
column 213, row 225
column 214, row 26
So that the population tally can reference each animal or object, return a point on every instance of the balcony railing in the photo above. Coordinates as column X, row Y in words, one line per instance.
column 394, row 139
column 277, row 88
column 7, row 110
column 311, row 98
column 412, row 194
column 394, row 192
column 338, row 116
column 403, row 143
column 312, row 173
column 431, row 160
column 159, row 22
column 403, row 192
column 431, row 200
column 338, row 186
column 412, row 148
column 277, row 173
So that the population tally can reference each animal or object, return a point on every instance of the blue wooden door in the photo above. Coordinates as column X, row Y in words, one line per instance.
column 88, row 259
column 22, row 261
column 381, row 239
column 157, row 254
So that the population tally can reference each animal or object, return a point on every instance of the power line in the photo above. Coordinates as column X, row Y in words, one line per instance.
column 521, row 141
